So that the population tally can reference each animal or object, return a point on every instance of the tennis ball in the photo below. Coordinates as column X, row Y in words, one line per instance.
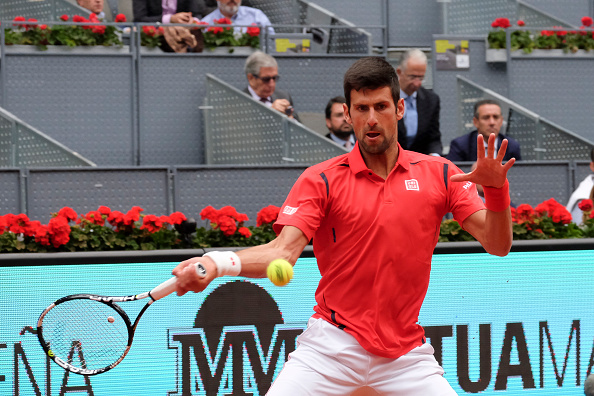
column 280, row 272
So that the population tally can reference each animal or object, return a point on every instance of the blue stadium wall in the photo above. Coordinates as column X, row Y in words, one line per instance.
column 522, row 324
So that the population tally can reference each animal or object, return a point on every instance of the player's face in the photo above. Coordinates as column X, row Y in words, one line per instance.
column 265, row 83
column 489, row 120
column 337, row 124
column 374, row 118
column 412, row 77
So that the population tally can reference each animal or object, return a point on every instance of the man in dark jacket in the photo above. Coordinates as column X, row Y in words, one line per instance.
column 419, row 129
column 487, row 120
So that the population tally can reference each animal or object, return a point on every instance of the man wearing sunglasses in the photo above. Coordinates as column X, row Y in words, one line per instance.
column 261, row 71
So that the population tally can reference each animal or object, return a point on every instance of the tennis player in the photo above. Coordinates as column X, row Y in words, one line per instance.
column 374, row 216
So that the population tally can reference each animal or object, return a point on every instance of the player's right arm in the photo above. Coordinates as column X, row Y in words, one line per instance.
column 287, row 245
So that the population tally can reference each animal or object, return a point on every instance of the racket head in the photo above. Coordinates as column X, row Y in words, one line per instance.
column 76, row 332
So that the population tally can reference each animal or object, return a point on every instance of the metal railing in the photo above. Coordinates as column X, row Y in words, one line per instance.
column 240, row 130
column 21, row 145
column 548, row 140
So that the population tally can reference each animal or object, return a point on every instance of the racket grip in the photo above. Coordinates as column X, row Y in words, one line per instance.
column 168, row 287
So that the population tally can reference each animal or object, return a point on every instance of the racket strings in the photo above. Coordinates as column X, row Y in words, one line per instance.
column 80, row 332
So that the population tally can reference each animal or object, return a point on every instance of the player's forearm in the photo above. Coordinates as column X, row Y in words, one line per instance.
column 288, row 246
column 497, row 236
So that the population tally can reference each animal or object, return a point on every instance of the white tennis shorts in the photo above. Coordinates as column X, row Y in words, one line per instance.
column 330, row 361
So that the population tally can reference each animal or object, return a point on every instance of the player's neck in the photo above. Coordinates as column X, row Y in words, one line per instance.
column 382, row 164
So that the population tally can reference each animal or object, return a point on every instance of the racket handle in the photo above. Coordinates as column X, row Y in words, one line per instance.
column 168, row 287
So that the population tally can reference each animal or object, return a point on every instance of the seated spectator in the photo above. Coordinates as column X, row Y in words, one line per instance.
column 168, row 11
column 341, row 132
column 238, row 14
column 208, row 6
column 418, row 130
column 261, row 71
column 95, row 6
column 487, row 120
column 584, row 191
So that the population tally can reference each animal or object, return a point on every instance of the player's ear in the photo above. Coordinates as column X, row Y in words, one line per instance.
column 400, row 109
column 347, row 115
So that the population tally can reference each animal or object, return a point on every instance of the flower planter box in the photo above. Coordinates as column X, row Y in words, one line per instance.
column 500, row 55
column 64, row 49
column 230, row 50
column 496, row 55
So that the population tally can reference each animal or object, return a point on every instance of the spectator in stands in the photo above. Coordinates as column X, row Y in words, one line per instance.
column 261, row 71
column 238, row 14
column 95, row 6
column 487, row 120
column 168, row 11
column 584, row 191
column 341, row 132
column 589, row 386
column 419, row 129
column 209, row 6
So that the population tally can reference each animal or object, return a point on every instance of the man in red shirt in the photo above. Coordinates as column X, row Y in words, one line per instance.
column 374, row 217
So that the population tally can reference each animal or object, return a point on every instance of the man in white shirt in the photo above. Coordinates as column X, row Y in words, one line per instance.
column 239, row 15
column 95, row 6
column 584, row 191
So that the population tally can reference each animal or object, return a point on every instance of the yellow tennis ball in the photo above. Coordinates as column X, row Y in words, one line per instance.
column 280, row 272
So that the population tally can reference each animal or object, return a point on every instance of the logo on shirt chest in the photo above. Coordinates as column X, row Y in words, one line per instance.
column 412, row 185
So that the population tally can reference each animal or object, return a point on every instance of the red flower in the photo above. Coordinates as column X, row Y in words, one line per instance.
column 585, row 205
column 149, row 30
column 18, row 19
column 93, row 17
column 120, row 18
column 42, row 235
column 95, row 217
column 501, row 23
column 116, row 218
column 18, row 223
column 267, row 215
column 224, row 21
column 31, row 228
column 245, row 232
column 104, row 210
column 151, row 223
column 253, row 31
column 521, row 22
column 232, row 212
column 176, row 218
column 208, row 213
column 99, row 29
column 59, row 231
column 3, row 224
column 132, row 216
column 64, row 18
column 587, row 21
column 78, row 18
column 215, row 29
column 68, row 213
column 227, row 225
column 43, row 27
column 160, row 30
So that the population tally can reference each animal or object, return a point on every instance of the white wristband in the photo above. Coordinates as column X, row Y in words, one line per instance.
column 228, row 263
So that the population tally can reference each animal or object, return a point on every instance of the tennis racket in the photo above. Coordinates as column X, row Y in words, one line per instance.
column 89, row 334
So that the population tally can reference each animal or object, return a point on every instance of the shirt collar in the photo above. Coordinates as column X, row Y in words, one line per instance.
column 340, row 141
column 357, row 164
column 255, row 95
column 403, row 95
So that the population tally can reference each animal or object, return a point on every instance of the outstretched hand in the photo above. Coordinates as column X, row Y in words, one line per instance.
column 490, row 170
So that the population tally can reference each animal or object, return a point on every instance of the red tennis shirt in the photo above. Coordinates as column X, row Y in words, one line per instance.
column 374, row 239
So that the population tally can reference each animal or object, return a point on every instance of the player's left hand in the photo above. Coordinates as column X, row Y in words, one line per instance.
column 490, row 170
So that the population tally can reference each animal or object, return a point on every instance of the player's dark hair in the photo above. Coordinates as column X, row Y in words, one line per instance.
column 371, row 73
column 592, row 155
column 336, row 99
column 484, row 102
